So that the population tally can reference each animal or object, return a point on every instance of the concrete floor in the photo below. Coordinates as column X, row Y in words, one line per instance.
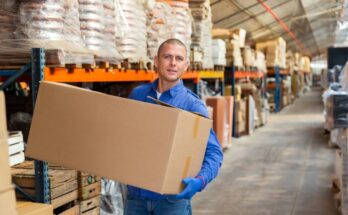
column 283, row 168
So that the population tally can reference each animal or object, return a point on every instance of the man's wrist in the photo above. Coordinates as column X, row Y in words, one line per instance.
column 203, row 182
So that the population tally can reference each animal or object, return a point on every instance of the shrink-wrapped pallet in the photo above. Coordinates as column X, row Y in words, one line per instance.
column 233, row 54
column 9, row 18
column 131, row 41
column 50, row 24
column 260, row 62
column 249, row 57
column 158, row 23
column 201, row 32
column 219, row 52
column 41, row 20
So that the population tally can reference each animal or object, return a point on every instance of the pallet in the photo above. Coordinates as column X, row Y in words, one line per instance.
column 94, row 211
column 89, row 191
column 140, row 65
column 196, row 66
column 89, row 204
column 85, row 179
column 219, row 68
column 71, row 208
column 62, row 181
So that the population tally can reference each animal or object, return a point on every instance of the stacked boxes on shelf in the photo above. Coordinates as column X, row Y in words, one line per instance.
column 222, row 118
column 275, row 51
column 233, row 45
column 89, row 187
column 16, row 148
column 201, row 47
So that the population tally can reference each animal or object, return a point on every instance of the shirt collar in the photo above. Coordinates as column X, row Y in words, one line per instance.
column 172, row 91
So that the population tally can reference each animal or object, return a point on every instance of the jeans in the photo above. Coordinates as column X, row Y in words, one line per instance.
column 140, row 206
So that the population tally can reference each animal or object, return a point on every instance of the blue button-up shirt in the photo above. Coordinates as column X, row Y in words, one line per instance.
column 181, row 97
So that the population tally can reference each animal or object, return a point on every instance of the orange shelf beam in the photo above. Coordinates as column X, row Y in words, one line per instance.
column 96, row 75
column 104, row 75
column 248, row 74
column 190, row 75
column 282, row 72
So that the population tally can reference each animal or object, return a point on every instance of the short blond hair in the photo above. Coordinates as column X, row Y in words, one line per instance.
column 171, row 41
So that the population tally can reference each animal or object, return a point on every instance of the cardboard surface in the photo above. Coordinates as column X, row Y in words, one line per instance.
column 219, row 116
column 31, row 208
column 8, row 201
column 229, row 107
column 136, row 143
column 5, row 175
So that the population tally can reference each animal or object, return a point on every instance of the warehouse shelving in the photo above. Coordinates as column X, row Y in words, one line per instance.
column 278, row 73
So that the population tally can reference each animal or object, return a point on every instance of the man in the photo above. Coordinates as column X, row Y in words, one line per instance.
column 171, row 62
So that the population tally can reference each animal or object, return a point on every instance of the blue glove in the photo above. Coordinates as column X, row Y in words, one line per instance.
column 193, row 185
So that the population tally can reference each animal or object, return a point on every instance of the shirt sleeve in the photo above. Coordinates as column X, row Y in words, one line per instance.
column 213, row 155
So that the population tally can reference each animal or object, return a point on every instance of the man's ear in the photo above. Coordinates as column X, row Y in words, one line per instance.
column 156, row 61
column 187, row 65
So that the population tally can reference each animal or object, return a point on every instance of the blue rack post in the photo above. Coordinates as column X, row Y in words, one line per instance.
column 278, row 89
column 42, row 191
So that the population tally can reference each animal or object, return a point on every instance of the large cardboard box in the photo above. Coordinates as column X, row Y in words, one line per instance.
column 5, row 175
column 141, row 144
column 8, row 201
column 229, row 107
column 7, row 195
column 31, row 208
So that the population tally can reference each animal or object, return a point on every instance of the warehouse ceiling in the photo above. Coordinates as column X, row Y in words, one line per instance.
column 313, row 25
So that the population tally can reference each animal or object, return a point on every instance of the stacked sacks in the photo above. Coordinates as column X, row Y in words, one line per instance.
column 168, row 19
column 131, row 43
column 200, row 13
column 181, row 27
column 91, row 24
column 201, row 37
column 8, row 18
column 42, row 19
column 158, row 26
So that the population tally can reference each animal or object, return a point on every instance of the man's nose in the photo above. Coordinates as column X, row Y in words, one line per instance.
column 173, row 61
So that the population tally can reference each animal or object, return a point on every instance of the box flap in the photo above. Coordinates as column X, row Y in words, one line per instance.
column 168, row 105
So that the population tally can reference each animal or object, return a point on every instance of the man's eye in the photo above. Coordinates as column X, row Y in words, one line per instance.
column 179, row 59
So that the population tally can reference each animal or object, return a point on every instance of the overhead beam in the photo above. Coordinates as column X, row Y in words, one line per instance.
column 236, row 13
column 258, row 14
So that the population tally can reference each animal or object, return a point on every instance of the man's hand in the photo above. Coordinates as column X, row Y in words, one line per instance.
column 193, row 185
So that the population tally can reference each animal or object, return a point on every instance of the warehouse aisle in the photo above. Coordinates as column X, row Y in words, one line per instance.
column 284, row 168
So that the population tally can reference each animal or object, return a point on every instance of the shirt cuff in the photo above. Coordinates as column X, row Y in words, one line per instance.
column 203, row 182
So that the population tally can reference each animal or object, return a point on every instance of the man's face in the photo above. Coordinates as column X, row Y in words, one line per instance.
column 171, row 62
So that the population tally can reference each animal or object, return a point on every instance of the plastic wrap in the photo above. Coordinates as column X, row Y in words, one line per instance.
column 158, row 24
column 260, row 61
column 344, row 78
column 132, row 42
column 249, row 56
column 8, row 18
column 234, row 54
column 112, row 197
column 49, row 24
column 219, row 52
column 41, row 20
column 201, row 35
column 168, row 19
